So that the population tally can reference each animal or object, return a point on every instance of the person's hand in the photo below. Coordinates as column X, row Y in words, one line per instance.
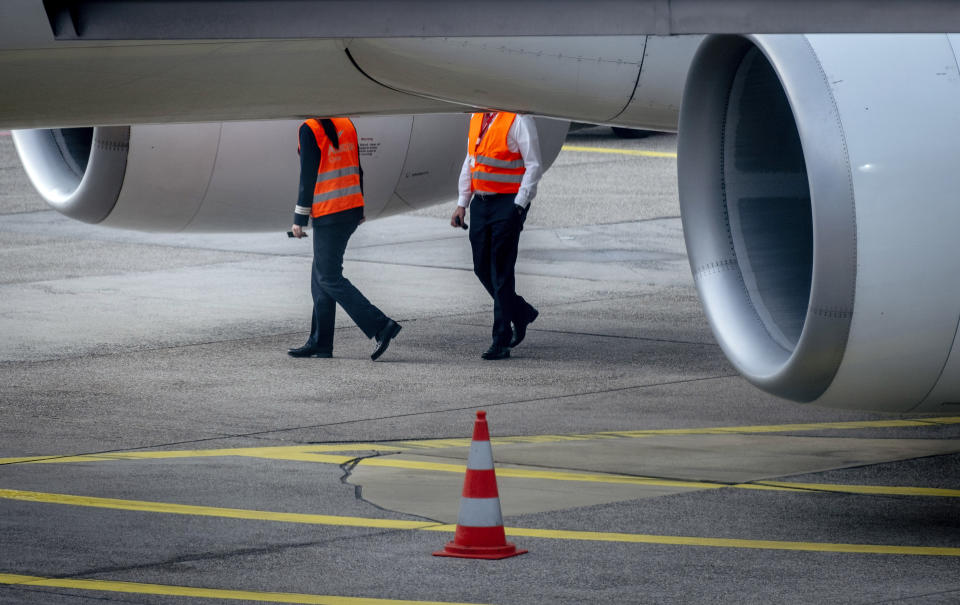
column 297, row 231
column 457, row 219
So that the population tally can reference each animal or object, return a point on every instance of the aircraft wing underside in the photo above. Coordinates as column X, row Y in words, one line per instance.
column 245, row 19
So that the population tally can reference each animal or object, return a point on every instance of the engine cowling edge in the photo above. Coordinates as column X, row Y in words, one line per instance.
column 753, row 209
column 818, row 195
column 78, row 171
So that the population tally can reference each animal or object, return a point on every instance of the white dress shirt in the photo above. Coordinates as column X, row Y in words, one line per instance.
column 522, row 137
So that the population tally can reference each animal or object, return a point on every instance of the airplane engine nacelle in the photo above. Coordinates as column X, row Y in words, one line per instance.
column 240, row 176
column 821, row 206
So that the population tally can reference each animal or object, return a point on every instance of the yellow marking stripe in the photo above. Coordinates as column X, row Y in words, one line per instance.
column 283, row 453
column 778, row 428
column 209, row 511
column 309, row 452
column 650, row 481
column 877, row 549
column 202, row 593
column 233, row 513
column 881, row 490
column 305, row 452
column 651, row 154
column 551, row 475
column 312, row 453
column 782, row 428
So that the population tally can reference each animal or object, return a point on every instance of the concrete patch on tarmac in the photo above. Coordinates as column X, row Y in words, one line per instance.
column 437, row 495
column 711, row 459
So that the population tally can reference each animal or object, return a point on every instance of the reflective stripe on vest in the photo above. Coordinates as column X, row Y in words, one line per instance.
column 493, row 176
column 500, row 163
column 496, row 169
column 338, row 177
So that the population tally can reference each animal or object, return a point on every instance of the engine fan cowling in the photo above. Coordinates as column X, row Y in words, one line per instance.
column 820, row 212
column 78, row 171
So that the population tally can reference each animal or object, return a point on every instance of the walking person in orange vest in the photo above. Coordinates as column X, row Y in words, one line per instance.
column 331, row 192
column 498, row 181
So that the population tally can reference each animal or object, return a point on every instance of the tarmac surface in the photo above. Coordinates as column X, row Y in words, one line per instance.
column 157, row 445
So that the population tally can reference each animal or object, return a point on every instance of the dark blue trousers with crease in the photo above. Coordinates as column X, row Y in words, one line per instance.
column 495, row 227
column 330, row 288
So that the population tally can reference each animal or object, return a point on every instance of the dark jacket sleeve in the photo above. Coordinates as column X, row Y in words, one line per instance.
column 309, row 164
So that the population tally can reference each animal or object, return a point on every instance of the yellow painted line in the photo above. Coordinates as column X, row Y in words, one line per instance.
column 441, row 443
column 201, row 593
column 558, row 475
column 550, row 534
column 639, row 434
column 782, row 428
column 314, row 452
column 639, row 152
column 298, row 452
column 656, row 482
column 878, row 490
column 876, row 549
column 209, row 511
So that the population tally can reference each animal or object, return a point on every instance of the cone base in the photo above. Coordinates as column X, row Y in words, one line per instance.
column 452, row 549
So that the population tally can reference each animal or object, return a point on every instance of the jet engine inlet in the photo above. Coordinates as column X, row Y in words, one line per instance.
column 78, row 171
column 768, row 210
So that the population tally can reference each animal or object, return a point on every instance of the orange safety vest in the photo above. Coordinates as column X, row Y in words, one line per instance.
column 496, row 169
column 338, row 177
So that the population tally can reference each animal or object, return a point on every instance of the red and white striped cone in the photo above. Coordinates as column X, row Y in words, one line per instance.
column 480, row 524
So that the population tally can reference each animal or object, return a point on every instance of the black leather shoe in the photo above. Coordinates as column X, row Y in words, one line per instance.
column 496, row 352
column 309, row 351
column 520, row 328
column 388, row 332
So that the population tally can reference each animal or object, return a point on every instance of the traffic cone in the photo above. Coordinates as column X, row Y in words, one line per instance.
column 480, row 524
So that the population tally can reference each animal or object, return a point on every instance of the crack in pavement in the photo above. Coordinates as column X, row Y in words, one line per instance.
column 20, row 588
column 917, row 596
column 347, row 468
column 215, row 556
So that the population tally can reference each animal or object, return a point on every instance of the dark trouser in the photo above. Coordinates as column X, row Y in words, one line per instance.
column 329, row 287
column 495, row 227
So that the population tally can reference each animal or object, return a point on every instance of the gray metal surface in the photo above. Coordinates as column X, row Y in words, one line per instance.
column 629, row 80
column 815, row 240
column 943, row 394
column 206, row 19
column 906, row 206
column 146, row 83
column 200, row 61
column 655, row 104
column 82, row 183
column 123, row 340
column 580, row 78
column 764, row 176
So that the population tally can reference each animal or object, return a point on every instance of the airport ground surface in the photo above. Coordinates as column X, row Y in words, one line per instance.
column 157, row 445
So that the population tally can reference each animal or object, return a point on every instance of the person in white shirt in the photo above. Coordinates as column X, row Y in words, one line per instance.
column 498, row 182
